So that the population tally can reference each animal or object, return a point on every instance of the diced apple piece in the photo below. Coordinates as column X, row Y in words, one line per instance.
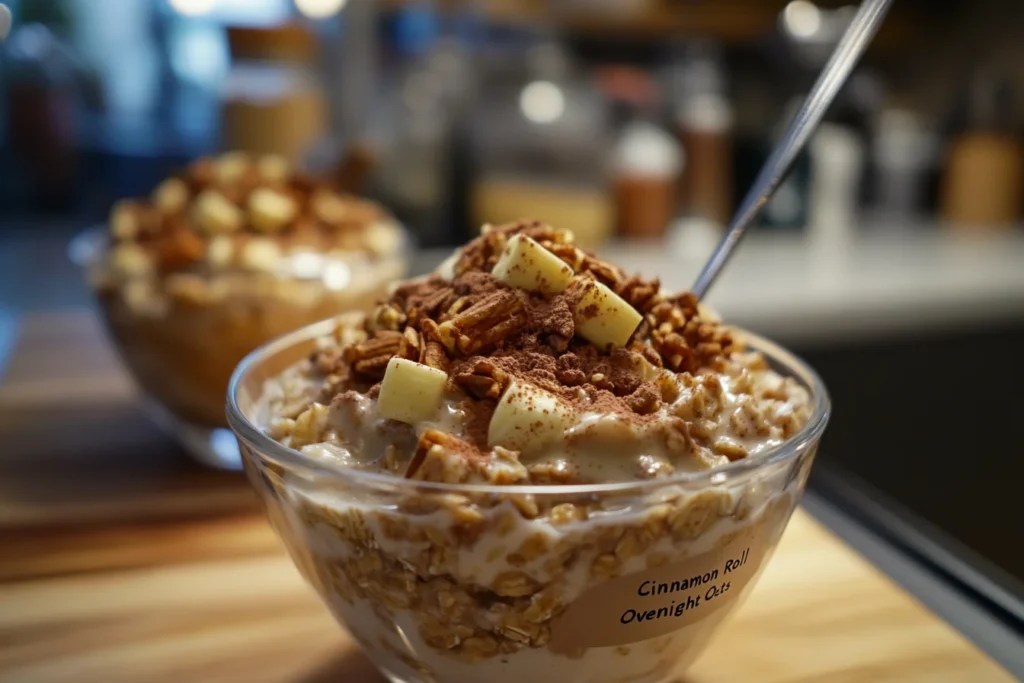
column 215, row 214
column 527, row 419
column 604, row 318
column 270, row 210
column 410, row 392
column 527, row 265
column 171, row 195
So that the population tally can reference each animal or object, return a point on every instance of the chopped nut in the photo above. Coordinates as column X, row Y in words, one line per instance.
column 131, row 260
column 386, row 317
column 220, row 251
column 261, row 254
column 178, row 249
column 369, row 359
column 270, row 210
column 329, row 207
column 273, row 168
column 484, row 324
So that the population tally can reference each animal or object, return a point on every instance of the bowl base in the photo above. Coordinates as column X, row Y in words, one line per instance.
column 214, row 447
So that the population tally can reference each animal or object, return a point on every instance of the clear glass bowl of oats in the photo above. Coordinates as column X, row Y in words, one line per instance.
column 235, row 251
column 544, row 509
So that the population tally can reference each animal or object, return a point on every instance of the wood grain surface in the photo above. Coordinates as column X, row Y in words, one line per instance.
column 121, row 562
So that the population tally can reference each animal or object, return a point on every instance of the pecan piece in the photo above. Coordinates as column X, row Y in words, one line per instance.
column 434, row 356
column 567, row 252
column 385, row 317
column 369, row 359
column 440, row 457
column 602, row 271
column 411, row 345
column 478, row 386
column 639, row 293
column 485, row 381
column 429, row 306
column 677, row 353
column 179, row 249
column 485, row 323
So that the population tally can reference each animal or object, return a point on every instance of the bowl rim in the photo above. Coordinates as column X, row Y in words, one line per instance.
column 283, row 456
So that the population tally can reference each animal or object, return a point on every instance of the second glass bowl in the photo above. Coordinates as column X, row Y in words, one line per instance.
column 182, row 335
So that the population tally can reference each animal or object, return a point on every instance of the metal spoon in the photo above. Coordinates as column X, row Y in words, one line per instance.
column 858, row 34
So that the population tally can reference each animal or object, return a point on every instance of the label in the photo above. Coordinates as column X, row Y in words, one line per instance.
column 654, row 602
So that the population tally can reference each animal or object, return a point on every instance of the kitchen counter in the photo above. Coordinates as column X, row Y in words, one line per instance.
column 122, row 562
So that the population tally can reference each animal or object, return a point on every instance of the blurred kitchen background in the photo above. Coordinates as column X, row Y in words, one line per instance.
column 892, row 257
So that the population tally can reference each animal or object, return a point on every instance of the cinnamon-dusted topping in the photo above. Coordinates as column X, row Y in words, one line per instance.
column 487, row 333
column 607, row 364
column 236, row 196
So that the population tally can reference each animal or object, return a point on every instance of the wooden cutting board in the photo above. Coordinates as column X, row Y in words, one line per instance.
column 121, row 562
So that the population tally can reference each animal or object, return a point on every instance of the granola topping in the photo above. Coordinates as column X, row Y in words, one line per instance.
column 240, row 217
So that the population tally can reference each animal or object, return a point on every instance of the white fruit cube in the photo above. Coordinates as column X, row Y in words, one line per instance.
column 171, row 195
column 410, row 392
column 215, row 214
column 604, row 318
column 527, row 265
column 528, row 419
column 270, row 210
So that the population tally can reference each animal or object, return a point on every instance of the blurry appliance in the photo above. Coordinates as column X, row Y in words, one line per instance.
column 646, row 160
column 704, row 119
column 904, row 154
column 43, row 80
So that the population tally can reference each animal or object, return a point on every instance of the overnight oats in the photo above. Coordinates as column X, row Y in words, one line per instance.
column 528, row 466
column 234, row 252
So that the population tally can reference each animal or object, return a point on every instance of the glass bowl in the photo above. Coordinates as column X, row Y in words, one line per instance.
column 446, row 583
column 182, row 336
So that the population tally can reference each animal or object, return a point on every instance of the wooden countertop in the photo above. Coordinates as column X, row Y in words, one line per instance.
column 122, row 562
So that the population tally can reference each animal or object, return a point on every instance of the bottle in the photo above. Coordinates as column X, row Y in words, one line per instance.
column 704, row 119
column 273, row 101
column 646, row 163
column 982, row 185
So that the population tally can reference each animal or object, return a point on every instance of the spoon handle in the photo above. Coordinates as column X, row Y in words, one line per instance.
column 858, row 34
